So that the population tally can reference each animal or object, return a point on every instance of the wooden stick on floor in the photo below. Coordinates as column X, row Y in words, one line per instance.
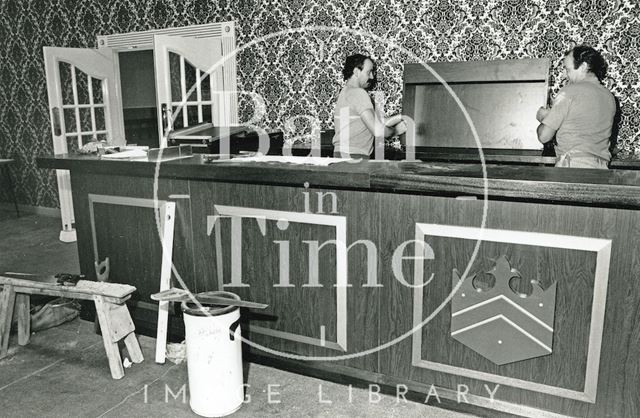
column 167, row 212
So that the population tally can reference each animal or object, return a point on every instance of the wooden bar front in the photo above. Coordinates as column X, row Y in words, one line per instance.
column 263, row 228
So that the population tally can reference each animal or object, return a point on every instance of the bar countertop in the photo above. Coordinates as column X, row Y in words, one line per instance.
column 578, row 186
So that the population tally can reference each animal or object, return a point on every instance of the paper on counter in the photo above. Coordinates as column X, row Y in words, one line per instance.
column 321, row 161
column 126, row 155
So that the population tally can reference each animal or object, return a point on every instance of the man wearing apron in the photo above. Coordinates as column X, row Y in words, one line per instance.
column 582, row 114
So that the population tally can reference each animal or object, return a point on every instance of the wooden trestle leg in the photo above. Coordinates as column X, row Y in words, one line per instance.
column 7, row 300
column 116, row 324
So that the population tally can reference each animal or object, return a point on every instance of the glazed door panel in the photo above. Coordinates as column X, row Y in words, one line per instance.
column 85, row 105
column 189, row 82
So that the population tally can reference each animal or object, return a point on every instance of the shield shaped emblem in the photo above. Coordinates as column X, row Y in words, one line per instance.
column 500, row 324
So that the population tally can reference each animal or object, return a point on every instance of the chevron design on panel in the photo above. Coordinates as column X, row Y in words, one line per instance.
column 499, row 323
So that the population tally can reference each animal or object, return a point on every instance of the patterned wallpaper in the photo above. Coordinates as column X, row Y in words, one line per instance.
column 299, row 73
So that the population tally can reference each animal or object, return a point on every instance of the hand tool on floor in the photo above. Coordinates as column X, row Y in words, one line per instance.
column 181, row 295
column 67, row 279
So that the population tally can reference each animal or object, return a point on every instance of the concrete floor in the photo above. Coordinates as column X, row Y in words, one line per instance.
column 64, row 371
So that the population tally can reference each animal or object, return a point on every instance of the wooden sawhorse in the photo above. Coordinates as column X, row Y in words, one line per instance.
column 109, row 298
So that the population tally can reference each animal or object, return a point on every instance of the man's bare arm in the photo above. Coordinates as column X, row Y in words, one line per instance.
column 545, row 133
column 375, row 126
column 542, row 113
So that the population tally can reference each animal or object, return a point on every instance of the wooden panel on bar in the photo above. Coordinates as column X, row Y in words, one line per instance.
column 128, row 234
column 500, row 97
column 503, row 115
column 573, row 271
column 535, row 69
column 301, row 312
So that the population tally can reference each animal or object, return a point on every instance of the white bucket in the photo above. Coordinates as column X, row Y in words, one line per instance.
column 214, row 357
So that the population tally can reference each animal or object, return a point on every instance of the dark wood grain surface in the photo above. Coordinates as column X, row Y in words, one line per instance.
column 128, row 235
column 582, row 186
column 598, row 187
column 572, row 271
column 298, row 310
column 383, row 208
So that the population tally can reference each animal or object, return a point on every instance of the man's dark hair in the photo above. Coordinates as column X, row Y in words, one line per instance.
column 354, row 61
column 595, row 62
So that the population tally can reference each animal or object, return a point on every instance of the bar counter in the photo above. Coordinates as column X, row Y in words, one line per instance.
column 361, row 265
column 584, row 186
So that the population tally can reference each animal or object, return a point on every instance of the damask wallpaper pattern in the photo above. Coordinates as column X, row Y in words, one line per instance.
column 299, row 72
